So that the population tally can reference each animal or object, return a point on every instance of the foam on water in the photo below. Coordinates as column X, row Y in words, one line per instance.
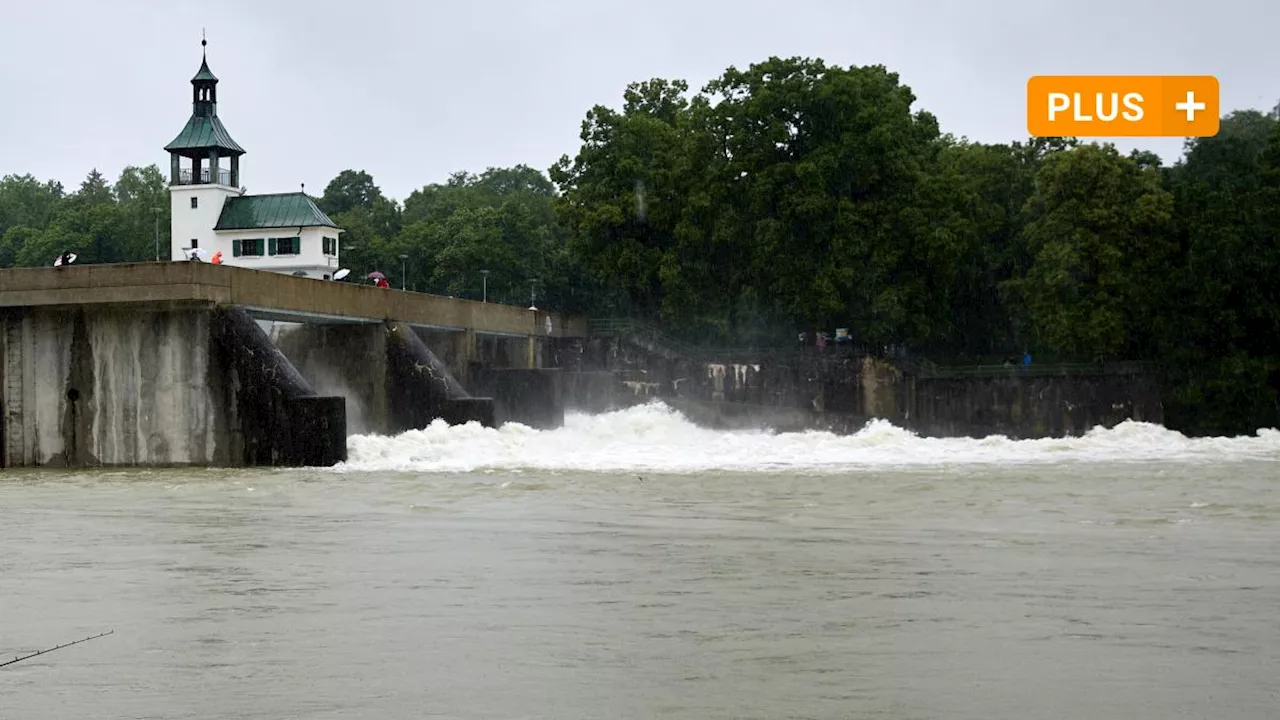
column 655, row 438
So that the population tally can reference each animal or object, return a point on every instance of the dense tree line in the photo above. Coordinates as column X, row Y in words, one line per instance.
column 496, row 230
column 795, row 196
column 100, row 222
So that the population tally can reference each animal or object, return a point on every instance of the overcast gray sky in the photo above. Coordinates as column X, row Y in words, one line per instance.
column 411, row 91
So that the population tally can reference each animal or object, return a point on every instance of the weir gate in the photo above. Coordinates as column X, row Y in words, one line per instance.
column 197, row 364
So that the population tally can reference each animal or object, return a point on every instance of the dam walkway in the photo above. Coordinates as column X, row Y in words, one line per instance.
column 271, row 296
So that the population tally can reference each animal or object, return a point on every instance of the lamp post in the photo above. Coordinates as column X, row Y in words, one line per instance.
column 533, row 293
column 484, row 292
column 156, row 211
column 403, row 283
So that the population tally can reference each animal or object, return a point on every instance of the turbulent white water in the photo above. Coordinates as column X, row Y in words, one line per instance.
column 655, row 438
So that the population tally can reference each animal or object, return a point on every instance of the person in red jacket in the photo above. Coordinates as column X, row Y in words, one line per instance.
column 382, row 283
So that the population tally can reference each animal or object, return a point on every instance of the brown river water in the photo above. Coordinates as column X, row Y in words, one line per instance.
column 887, row 577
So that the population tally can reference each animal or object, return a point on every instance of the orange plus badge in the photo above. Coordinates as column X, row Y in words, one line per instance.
column 1122, row 105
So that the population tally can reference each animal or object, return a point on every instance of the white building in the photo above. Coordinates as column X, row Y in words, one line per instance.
column 284, row 232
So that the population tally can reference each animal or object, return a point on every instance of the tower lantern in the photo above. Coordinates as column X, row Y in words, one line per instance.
column 205, row 140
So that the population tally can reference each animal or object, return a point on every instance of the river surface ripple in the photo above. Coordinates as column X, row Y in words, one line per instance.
column 1103, row 590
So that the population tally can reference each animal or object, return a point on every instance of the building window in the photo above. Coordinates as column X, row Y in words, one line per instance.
column 195, row 202
column 248, row 248
column 195, row 243
column 330, row 245
column 284, row 246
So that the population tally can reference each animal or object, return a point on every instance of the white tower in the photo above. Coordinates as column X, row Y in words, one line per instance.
column 198, row 183
column 280, row 232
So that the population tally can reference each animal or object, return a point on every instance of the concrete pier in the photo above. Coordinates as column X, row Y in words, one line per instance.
column 106, row 386
column 529, row 396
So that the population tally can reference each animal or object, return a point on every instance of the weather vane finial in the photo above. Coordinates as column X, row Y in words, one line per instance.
column 203, row 41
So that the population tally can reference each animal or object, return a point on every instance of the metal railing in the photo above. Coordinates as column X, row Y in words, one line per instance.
column 655, row 340
column 642, row 333
column 185, row 177
column 928, row 370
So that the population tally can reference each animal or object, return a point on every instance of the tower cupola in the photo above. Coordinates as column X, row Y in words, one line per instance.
column 204, row 141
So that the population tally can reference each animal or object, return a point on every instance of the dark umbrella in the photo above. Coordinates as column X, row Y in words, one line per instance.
column 375, row 275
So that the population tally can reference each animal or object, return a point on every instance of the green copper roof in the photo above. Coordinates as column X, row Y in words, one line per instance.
column 203, row 133
column 205, row 73
column 284, row 210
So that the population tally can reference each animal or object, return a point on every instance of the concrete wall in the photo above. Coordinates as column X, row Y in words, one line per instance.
column 1030, row 406
column 421, row 389
column 529, row 396
column 839, row 391
column 457, row 349
column 391, row 379
column 274, row 416
column 107, row 386
column 346, row 360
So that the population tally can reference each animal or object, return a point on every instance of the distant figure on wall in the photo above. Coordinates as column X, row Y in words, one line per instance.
column 217, row 258
column 66, row 258
column 382, row 283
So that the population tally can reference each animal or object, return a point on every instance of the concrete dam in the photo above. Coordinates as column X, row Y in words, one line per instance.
column 195, row 364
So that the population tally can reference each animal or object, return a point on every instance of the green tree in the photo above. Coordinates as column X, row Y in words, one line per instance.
column 94, row 190
column 1100, row 230
column 143, row 198
column 13, row 241
column 621, row 196
column 958, row 222
column 1219, row 361
column 94, row 232
column 351, row 189
column 27, row 202
column 369, row 220
column 824, row 160
column 502, row 221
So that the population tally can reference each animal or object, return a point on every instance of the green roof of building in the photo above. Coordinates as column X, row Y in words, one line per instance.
column 284, row 210
column 205, row 73
column 204, row 133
